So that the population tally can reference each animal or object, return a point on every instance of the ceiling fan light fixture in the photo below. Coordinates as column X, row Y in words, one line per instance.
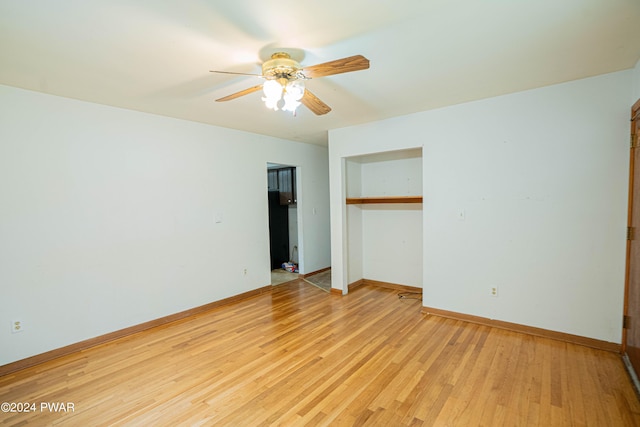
column 293, row 93
column 272, row 90
column 289, row 91
column 295, row 89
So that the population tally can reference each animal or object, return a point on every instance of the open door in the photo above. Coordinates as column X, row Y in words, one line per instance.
column 631, row 327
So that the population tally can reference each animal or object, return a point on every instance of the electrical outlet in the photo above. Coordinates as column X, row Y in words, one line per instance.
column 244, row 272
column 494, row 291
column 16, row 326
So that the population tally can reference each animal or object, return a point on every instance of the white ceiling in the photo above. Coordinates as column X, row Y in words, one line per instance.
column 155, row 56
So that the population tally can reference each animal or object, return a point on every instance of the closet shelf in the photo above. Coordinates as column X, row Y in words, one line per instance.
column 383, row 199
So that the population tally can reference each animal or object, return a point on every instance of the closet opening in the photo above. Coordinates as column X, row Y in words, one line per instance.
column 384, row 218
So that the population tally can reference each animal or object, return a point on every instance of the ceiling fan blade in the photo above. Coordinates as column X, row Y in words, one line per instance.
column 239, row 94
column 231, row 72
column 344, row 65
column 314, row 104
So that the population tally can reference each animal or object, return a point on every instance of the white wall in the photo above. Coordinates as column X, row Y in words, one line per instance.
column 293, row 234
column 393, row 177
column 542, row 178
column 392, row 243
column 636, row 82
column 354, row 266
column 108, row 217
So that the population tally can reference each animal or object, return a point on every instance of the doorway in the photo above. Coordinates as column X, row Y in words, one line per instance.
column 631, row 324
column 283, row 222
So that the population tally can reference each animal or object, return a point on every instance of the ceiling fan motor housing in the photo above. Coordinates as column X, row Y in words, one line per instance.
column 281, row 66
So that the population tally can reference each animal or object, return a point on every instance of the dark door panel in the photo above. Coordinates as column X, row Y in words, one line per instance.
column 278, row 230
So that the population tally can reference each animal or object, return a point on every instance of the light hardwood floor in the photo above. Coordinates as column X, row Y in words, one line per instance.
column 300, row 356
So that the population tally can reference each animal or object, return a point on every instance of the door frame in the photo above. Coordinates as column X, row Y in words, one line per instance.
column 634, row 141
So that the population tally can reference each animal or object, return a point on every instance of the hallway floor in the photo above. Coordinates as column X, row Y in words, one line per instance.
column 280, row 276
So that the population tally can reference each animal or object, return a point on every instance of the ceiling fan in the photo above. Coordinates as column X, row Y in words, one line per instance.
column 284, row 81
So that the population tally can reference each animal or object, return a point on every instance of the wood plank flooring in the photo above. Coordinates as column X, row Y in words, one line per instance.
column 300, row 356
